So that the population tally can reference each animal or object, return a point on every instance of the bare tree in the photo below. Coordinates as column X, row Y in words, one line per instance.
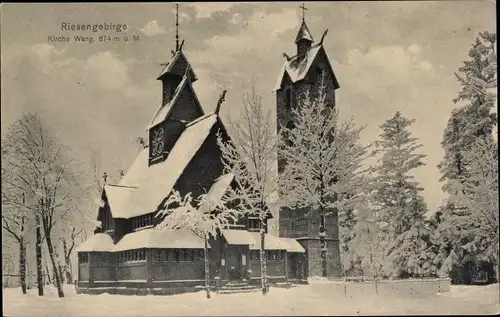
column 15, row 223
column 251, row 156
column 68, row 242
column 39, row 165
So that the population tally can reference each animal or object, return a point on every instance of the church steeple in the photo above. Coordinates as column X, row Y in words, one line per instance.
column 304, row 39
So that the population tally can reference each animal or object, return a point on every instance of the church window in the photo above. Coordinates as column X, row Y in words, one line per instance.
column 199, row 255
column 142, row 255
column 288, row 99
column 254, row 255
column 253, row 224
column 190, row 255
column 156, row 256
column 181, row 256
column 163, row 255
column 157, row 143
column 84, row 258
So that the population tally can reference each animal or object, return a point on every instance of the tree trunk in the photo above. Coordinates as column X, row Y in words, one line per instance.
column 49, row 279
column 61, row 275
column 48, row 239
column 263, row 260
column 322, row 243
column 207, row 270
column 22, row 264
column 67, row 262
column 38, row 254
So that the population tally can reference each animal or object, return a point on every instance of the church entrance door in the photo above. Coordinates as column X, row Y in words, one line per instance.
column 233, row 259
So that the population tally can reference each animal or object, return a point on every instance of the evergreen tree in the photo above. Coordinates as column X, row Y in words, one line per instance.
column 396, row 194
column 467, row 125
column 347, row 224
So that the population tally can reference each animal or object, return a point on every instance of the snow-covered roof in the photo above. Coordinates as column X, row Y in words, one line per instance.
column 170, row 65
column 156, row 239
column 116, row 195
column 134, row 173
column 292, row 245
column 238, row 237
column 270, row 242
column 99, row 242
column 154, row 183
column 217, row 191
column 297, row 70
column 304, row 33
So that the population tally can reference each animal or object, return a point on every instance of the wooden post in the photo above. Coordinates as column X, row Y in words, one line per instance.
column 149, row 267
column 286, row 268
column 89, row 254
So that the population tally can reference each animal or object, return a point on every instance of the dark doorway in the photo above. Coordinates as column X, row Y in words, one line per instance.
column 293, row 267
column 233, row 258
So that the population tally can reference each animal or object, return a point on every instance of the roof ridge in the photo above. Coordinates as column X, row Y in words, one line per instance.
column 203, row 117
column 169, row 104
column 124, row 186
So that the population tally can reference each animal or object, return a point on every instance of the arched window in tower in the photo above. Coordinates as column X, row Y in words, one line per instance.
column 288, row 99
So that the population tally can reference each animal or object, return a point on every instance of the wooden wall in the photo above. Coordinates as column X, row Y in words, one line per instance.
column 163, row 269
column 102, row 266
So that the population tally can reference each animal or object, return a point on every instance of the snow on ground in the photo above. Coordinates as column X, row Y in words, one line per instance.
column 301, row 300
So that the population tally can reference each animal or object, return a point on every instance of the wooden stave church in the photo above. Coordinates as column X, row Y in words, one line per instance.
column 126, row 254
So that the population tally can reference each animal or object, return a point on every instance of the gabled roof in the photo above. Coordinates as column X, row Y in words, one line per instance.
column 99, row 242
column 169, row 68
column 164, row 110
column 270, row 242
column 238, row 237
column 156, row 239
column 154, row 183
column 297, row 70
column 304, row 33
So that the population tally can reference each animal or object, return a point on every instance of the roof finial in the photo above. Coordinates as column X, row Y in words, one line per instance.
column 222, row 98
column 304, row 9
column 176, row 27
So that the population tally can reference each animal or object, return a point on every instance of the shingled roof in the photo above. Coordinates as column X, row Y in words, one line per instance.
column 178, row 57
column 164, row 110
column 144, row 187
column 304, row 33
column 297, row 70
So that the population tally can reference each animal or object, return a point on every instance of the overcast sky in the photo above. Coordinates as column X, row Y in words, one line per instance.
column 387, row 56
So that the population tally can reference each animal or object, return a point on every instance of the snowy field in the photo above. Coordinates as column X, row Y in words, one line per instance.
column 301, row 300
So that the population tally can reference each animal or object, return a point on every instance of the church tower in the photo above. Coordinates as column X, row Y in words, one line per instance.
column 305, row 72
column 179, row 103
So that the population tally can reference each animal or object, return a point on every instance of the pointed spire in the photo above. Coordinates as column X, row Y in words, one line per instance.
column 176, row 27
column 304, row 33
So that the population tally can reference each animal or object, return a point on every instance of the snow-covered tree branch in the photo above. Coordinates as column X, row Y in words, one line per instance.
column 37, row 164
column 322, row 159
column 205, row 216
column 251, row 156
